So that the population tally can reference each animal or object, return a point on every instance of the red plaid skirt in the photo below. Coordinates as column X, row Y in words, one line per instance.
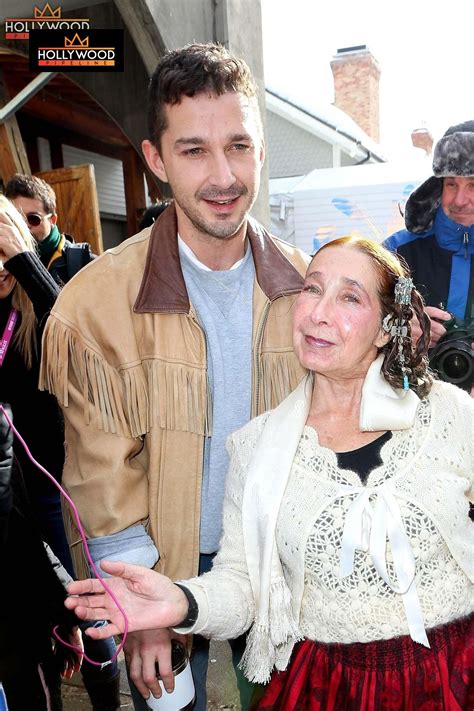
column 392, row 675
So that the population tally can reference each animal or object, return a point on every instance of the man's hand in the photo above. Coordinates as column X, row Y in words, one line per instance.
column 149, row 600
column 11, row 242
column 437, row 329
column 142, row 651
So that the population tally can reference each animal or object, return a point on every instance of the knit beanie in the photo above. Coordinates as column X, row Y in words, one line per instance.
column 453, row 157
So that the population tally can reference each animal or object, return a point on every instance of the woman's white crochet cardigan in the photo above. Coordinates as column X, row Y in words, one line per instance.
column 428, row 469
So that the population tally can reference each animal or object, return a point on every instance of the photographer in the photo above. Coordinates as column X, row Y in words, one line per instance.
column 438, row 243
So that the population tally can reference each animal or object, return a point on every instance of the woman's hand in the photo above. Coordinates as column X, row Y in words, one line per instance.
column 70, row 660
column 11, row 242
column 149, row 600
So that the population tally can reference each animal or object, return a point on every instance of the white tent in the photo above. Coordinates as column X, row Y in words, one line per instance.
column 327, row 203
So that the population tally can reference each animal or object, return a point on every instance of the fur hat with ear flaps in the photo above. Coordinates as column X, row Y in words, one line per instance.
column 453, row 157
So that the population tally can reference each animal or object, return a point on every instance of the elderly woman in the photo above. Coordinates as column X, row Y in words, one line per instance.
column 347, row 545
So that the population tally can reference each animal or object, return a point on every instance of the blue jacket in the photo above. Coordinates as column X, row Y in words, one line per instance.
column 442, row 263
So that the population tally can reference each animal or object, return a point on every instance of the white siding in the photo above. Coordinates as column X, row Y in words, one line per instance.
column 371, row 211
column 108, row 176
column 44, row 154
column 292, row 150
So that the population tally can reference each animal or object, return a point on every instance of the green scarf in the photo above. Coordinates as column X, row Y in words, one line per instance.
column 49, row 244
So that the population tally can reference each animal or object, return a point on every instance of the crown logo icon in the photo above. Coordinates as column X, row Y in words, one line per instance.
column 76, row 38
column 42, row 14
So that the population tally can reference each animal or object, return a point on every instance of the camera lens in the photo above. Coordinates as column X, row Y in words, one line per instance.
column 456, row 366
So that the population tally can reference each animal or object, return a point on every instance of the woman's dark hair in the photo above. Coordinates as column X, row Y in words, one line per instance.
column 389, row 268
column 189, row 71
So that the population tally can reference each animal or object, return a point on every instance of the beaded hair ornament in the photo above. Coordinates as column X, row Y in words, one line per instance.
column 398, row 328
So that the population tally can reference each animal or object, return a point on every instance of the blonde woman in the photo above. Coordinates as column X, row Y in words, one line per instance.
column 30, row 669
column 27, row 293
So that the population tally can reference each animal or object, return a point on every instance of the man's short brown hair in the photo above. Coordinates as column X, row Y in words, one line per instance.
column 29, row 186
column 194, row 69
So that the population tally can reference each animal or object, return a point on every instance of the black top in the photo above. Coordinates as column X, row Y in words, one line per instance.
column 365, row 459
column 36, row 414
column 74, row 256
column 31, row 594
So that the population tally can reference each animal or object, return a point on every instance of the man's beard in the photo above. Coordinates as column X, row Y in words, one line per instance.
column 220, row 229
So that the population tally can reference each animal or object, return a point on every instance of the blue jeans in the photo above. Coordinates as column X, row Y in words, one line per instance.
column 200, row 661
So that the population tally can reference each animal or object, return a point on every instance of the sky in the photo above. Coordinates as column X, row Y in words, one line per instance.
column 424, row 49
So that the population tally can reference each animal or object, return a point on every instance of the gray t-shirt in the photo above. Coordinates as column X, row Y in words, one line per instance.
column 223, row 303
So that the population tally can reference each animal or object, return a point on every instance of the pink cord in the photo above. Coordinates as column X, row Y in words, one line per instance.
column 86, row 548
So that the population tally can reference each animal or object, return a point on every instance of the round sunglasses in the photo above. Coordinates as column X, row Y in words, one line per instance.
column 34, row 218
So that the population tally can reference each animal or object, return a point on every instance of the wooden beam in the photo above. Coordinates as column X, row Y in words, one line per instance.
column 134, row 189
column 31, row 127
column 13, row 157
column 77, row 119
column 143, row 28
column 31, row 145
column 154, row 186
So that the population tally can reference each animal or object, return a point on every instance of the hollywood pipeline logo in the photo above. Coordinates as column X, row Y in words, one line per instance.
column 19, row 28
column 98, row 50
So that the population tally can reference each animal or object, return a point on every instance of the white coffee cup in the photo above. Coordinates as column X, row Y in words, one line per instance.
column 183, row 695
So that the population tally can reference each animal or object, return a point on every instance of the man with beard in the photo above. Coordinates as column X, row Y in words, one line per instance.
column 173, row 340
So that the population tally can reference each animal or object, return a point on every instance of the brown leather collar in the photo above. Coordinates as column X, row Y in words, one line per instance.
column 163, row 289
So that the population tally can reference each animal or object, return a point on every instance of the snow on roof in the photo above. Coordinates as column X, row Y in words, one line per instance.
column 355, row 175
column 284, row 185
column 331, row 115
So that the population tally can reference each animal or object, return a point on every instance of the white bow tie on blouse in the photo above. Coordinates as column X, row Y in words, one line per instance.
column 368, row 527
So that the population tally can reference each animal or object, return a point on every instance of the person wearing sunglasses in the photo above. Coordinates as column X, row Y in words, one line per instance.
column 36, row 200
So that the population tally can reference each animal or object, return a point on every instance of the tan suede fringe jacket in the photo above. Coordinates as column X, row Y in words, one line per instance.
column 125, row 356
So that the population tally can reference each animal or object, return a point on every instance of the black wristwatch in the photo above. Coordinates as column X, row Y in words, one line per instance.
column 193, row 609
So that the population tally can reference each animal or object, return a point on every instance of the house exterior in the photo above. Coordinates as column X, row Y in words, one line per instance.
column 52, row 120
column 366, row 200
column 301, row 138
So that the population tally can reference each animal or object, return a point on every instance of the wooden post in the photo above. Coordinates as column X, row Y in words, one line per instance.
column 13, row 158
column 152, row 183
column 57, row 160
column 134, row 189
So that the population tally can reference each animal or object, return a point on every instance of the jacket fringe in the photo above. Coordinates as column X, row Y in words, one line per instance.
column 281, row 374
column 179, row 396
column 128, row 399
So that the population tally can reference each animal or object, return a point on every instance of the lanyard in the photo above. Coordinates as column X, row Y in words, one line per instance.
column 7, row 334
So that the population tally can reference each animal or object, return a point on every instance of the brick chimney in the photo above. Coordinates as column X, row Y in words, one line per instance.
column 422, row 138
column 356, row 87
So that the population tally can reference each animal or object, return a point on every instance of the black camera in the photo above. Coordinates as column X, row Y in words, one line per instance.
column 453, row 357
